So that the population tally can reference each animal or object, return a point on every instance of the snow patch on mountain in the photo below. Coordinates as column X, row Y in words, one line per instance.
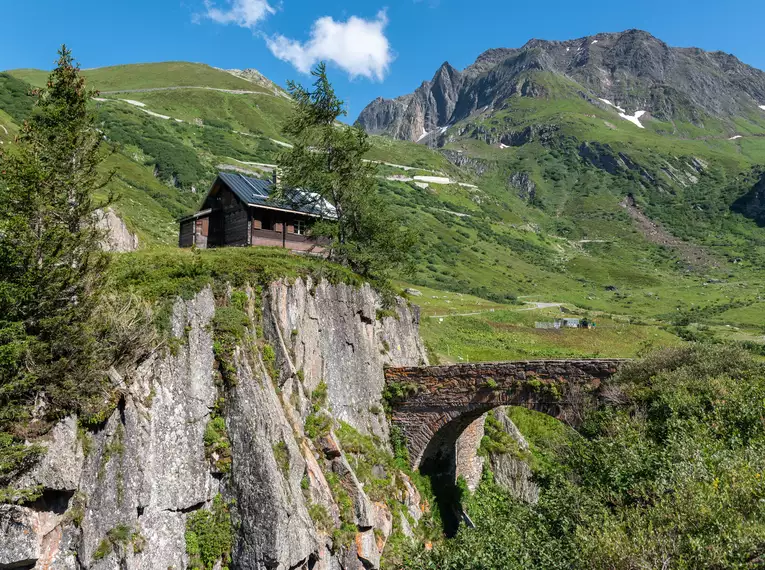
column 617, row 107
column 634, row 119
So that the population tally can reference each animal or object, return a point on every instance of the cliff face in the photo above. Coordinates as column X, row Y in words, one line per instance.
column 140, row 490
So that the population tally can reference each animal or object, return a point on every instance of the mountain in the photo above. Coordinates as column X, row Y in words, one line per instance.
column 633, row 70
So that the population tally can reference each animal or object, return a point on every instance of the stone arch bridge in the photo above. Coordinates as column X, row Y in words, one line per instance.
column 433, row 405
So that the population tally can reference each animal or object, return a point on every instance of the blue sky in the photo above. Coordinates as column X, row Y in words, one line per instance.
column 375, row 48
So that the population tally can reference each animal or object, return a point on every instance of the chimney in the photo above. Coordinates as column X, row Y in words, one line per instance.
column 276, row 177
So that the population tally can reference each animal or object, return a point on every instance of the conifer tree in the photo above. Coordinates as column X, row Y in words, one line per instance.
column 51, row 263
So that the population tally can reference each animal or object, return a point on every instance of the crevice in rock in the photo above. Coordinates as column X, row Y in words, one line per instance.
column 190, row 509
column 139, row 511
column 364, row 318
column 301, row 564
column 52, row 501
column 121, row 408
column 21, row 565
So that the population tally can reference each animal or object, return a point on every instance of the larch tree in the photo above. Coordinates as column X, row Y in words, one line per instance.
column 326, row 166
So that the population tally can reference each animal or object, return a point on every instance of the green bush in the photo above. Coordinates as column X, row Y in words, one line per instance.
column 210, row 536
column 217, row 444
column 672, row 478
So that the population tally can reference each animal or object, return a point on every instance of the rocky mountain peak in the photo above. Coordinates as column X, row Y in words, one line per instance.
column 633, row 69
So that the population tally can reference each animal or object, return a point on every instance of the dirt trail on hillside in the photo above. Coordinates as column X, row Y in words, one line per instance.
column 655, row 233
column 179, row 87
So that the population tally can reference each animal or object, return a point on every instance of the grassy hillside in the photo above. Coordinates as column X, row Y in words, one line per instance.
column 148, row 76
column 542, row 218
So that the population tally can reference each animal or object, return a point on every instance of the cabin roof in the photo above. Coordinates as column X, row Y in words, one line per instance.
column 255, row 192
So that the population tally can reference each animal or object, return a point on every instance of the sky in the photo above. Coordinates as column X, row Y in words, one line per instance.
column 373, row 47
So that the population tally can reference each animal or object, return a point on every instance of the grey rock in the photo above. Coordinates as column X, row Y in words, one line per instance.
column 147, row 470
column 412, row 501
column 367, row 549
column 378, row 471
column 148, row 464
column 752, row 204
column 408, row 117
column 461, row 159
column 21, row 544
column 275, row 528
column 332, row 333
column 118, row 237
column 526, row 187
column 61, row 467
column 511, row 472
column 383, row 524
column 363, row 509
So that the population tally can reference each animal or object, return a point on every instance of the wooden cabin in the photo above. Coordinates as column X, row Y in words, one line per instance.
column 238, row 211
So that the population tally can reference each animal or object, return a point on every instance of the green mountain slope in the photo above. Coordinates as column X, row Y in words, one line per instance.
column 548, row 196
column 147, row 76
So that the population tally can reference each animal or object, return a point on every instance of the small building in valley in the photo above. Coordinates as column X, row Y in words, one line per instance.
column 239, row 211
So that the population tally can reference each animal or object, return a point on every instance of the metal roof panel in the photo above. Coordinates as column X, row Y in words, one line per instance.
column 257, row 192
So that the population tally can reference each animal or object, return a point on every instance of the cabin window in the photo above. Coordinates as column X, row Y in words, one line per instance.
column 300, row 227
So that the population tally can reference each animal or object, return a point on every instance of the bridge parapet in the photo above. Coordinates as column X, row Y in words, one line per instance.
column 432, row 405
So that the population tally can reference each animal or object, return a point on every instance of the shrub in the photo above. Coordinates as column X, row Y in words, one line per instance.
column 210, row 536
column 217, row 444
column 671, row 476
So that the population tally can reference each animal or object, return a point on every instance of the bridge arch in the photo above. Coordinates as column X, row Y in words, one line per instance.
column 436, row 404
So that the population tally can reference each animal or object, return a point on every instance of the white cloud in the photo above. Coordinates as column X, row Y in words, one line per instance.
column 357, row 46
column 244, row 13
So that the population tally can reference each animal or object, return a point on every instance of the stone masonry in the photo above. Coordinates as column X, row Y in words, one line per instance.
column 437, row 403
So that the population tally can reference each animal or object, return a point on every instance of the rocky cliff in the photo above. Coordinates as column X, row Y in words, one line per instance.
column 216, row 456
column 632, row 70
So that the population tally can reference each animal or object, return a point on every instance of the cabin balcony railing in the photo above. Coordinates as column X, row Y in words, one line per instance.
column 294, row 242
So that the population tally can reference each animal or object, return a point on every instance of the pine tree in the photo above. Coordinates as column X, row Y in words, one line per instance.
column 51, row 263
column 327, row 160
